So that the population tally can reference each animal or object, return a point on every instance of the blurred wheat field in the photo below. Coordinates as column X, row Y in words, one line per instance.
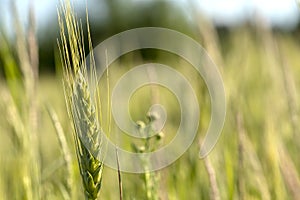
column 256, row 157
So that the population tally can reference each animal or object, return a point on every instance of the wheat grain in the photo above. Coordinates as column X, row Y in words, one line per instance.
column 81, row 107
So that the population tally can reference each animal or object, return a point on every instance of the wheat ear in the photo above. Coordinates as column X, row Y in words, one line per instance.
column 81, row 107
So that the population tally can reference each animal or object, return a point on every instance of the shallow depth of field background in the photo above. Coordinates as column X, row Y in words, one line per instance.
column 257, row 155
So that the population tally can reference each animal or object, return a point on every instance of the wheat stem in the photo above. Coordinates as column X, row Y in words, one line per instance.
column 64, row 147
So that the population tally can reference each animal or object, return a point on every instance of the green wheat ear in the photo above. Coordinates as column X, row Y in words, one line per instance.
column 87, row 133
column 82, row 107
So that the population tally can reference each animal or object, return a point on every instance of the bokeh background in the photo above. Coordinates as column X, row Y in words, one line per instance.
column 256, row 46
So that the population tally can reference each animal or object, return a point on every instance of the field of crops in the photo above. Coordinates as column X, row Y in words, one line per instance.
column 256, row 157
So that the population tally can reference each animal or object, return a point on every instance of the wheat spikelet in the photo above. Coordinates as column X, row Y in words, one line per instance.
column 87, row 133
column 81, row 108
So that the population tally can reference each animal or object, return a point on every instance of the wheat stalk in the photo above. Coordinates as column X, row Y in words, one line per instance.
column 81, row 107
column 64, row 148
